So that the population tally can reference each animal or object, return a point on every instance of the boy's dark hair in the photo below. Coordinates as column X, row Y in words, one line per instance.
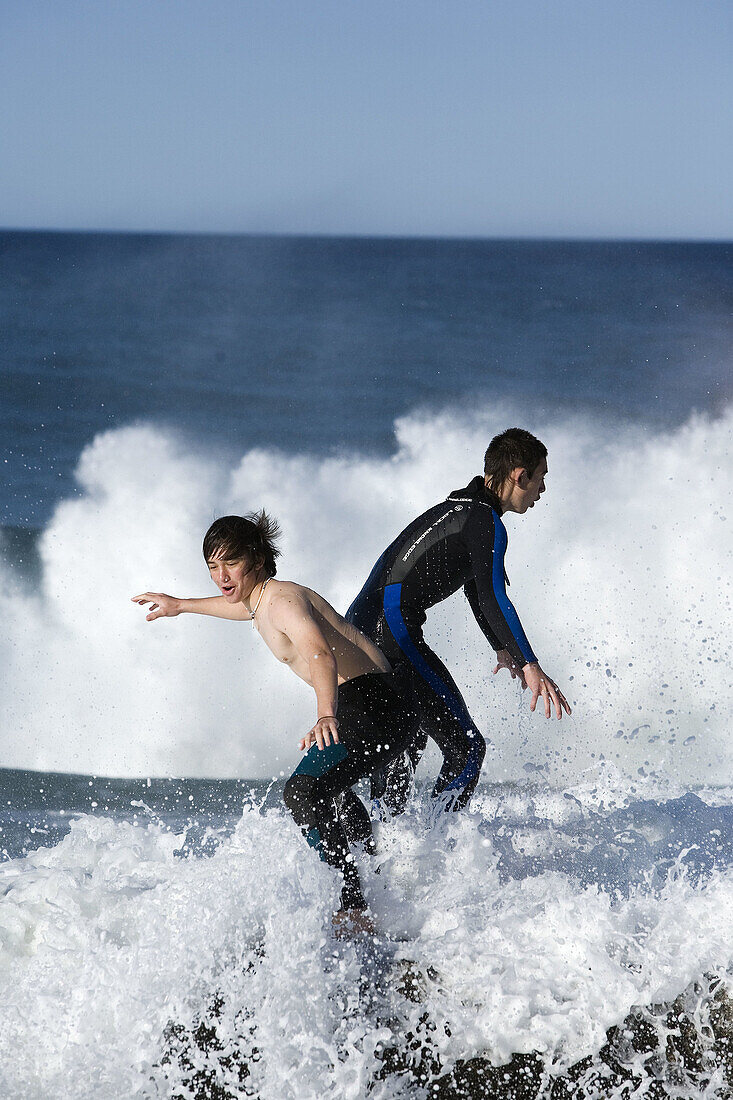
column 508, row 450
column 253, row 536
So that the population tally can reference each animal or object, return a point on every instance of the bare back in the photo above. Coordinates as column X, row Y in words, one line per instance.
column 292, row 604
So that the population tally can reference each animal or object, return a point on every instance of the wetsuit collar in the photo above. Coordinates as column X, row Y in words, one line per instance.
column 476, row 490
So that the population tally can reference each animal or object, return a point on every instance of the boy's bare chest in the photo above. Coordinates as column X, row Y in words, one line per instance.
column 278, row 643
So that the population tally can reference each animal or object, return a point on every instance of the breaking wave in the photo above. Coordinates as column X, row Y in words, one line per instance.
column 622, row 578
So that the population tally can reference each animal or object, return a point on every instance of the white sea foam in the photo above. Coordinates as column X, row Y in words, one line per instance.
column 109, row 937
column 621, row 575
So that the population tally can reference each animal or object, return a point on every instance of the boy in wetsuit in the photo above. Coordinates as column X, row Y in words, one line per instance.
column 361, row 717
column 459, row 542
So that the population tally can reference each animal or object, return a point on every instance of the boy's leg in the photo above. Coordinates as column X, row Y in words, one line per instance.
column 373, row 725
column 446, row 719
column 309, row 796
column 443, row 715
column 355, row 819
column 392, row 783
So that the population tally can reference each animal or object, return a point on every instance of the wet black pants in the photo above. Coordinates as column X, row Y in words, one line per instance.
column 443, row 715
column 375, row 727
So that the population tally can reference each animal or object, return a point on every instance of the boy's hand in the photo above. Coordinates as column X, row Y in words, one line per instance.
column 542, row 685
column 506, row 660
column 323, row 732
column 161, row 605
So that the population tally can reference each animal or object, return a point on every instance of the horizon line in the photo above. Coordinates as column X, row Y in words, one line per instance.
column 300, row 235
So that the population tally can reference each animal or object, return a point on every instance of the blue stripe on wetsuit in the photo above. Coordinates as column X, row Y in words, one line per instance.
column 497, row 577
column 396, row 623
column 318, row 762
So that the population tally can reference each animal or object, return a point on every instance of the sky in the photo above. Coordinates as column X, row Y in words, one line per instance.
column 552, row 118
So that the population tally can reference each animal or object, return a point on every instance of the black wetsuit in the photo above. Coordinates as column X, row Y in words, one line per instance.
column 375, row 726
column 457, row 543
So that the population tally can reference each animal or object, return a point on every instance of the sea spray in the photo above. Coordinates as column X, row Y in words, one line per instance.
column 132, row 965
column 621, row 576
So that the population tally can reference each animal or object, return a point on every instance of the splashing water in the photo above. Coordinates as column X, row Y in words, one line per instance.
column 621, row 577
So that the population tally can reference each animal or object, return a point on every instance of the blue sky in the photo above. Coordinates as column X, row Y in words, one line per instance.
column 464, row 117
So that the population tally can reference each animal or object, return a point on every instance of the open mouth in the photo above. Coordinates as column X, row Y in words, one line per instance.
column 227, row 589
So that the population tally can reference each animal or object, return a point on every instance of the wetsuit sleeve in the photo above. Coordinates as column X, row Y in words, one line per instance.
column 485, row 539
column 471, row 594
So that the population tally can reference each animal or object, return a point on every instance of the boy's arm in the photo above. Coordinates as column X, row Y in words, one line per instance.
column 485, row 542
column 471, row 593
column 503, row 655
column 486, row 547
column 164, row 606
column 293, row 615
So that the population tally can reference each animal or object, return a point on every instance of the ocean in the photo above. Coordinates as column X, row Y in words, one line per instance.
column 164, row 931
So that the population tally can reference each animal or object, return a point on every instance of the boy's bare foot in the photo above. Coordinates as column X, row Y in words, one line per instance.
column 352, row 922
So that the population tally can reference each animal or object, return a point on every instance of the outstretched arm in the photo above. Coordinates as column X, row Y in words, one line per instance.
column 164, row 606
column 292, row 614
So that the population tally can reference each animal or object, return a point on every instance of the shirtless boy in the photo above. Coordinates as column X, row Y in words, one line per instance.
column 361, row 718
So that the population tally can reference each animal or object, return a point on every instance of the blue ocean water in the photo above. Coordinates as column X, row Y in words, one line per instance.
column 314, row 345
column 567, row 936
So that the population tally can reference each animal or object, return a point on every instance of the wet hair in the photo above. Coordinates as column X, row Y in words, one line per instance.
column 253, row 536
column 510, row 449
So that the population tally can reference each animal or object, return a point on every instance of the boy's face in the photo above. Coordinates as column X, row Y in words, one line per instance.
column 536, row 485
column 233, row 577
column 524, row 491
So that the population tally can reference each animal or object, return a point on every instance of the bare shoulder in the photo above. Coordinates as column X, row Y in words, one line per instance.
column 286, row 598
column 316, row 598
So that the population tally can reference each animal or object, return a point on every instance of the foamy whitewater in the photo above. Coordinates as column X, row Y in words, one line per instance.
column 588, row 888
column 621, row 575
column 130, row 971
